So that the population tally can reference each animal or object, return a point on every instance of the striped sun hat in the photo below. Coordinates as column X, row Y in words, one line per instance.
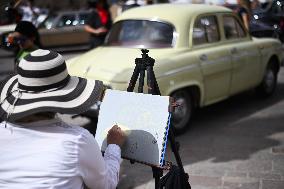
column 44, row 85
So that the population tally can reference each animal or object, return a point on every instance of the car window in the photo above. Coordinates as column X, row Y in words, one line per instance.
column 48, row 23
column 277, row 7
column 82, row 18
column 205, row 30
column 233, row 29
column 141, row 33
column 67, row 20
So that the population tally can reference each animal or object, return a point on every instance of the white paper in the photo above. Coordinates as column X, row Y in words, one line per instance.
column 144, row 117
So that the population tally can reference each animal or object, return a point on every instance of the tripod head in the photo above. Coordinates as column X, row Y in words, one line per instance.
column 145, row 61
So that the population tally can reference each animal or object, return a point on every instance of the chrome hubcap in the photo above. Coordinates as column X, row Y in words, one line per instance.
column 269, row 80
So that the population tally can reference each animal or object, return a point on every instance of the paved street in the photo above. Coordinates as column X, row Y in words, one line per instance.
column 236, row 144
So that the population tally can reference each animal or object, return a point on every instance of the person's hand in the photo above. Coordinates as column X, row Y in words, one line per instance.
column 101, row 30
column 116, row 136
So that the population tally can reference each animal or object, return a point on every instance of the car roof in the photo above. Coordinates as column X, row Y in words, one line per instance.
column 170, row 12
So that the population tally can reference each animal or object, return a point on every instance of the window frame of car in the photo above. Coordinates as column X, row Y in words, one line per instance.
column 57, row 16
column 191, row 31
column 61, row 16
column 274, row 6
column 240, row 23
column 174, row 39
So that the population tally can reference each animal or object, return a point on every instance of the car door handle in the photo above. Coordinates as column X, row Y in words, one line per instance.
column 203, row 57
column 234, row 50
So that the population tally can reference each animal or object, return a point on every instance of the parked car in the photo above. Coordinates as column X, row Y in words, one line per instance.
column 61, row 29
column 64, row 28
column 203, row 55
column 272, row 15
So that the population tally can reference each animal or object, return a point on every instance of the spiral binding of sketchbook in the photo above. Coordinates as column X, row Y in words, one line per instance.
column 162, row 162
column 144, row 118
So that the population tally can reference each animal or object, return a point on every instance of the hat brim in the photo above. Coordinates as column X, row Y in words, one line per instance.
column 74, row 98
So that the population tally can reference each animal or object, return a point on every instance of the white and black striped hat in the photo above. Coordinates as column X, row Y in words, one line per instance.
column 44, row 85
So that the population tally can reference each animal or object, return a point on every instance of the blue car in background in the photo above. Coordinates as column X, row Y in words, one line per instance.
column 268, row 20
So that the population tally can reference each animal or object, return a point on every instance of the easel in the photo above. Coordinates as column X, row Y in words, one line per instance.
column 143, row 64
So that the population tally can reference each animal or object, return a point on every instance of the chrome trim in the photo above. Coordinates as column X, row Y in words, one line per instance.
column 217, row 61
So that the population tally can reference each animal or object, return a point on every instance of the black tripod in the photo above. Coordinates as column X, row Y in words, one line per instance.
column 143, row 64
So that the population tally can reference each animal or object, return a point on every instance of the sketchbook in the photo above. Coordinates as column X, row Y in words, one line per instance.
column 144, row 118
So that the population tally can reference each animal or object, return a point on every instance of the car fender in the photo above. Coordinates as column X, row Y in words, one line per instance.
column 270, row 50
column 171, row 87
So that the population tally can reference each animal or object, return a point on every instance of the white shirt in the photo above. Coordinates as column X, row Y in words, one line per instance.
column 52, row 154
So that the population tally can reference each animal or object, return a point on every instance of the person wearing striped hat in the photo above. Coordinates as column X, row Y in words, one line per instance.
column 38, row 150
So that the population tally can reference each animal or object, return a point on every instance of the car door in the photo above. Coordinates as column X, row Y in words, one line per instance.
column 213, row 57
column 80, row 31
column 245, row 55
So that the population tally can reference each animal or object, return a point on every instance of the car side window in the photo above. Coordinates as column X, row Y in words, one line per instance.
column 67, row 20
column 205, row 30
column 82, row 18
column 233, row 28
column 277, row 7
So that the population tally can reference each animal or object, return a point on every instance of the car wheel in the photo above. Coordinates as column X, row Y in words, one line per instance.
column 269, row 82
column 182, row 113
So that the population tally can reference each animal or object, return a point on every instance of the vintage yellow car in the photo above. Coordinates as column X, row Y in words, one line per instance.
column 203, row 55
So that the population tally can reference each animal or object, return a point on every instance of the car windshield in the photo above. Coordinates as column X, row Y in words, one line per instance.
column 141, row 34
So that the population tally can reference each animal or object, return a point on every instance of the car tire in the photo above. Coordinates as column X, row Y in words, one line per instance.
column 269, row 82
column 183, row 113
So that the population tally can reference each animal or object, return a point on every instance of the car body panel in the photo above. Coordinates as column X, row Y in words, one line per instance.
column 211, row 67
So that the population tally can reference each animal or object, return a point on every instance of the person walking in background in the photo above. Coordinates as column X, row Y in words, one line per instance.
column 255, row 4
column 28, row 10
column 244, row 11
column 38, row 149
column 26, row 37
column 115, row 8
column 98, row 23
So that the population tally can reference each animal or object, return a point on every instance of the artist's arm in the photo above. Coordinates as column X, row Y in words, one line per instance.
column 96, row 171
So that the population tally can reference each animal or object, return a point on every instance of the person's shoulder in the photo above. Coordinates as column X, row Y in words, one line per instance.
column 242, row 9
column 72, row 128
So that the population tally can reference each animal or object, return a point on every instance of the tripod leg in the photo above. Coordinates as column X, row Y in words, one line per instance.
column 133, row 79
column 153, row 87
column 175, row 149
column 157, row 174
column 141, row 81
